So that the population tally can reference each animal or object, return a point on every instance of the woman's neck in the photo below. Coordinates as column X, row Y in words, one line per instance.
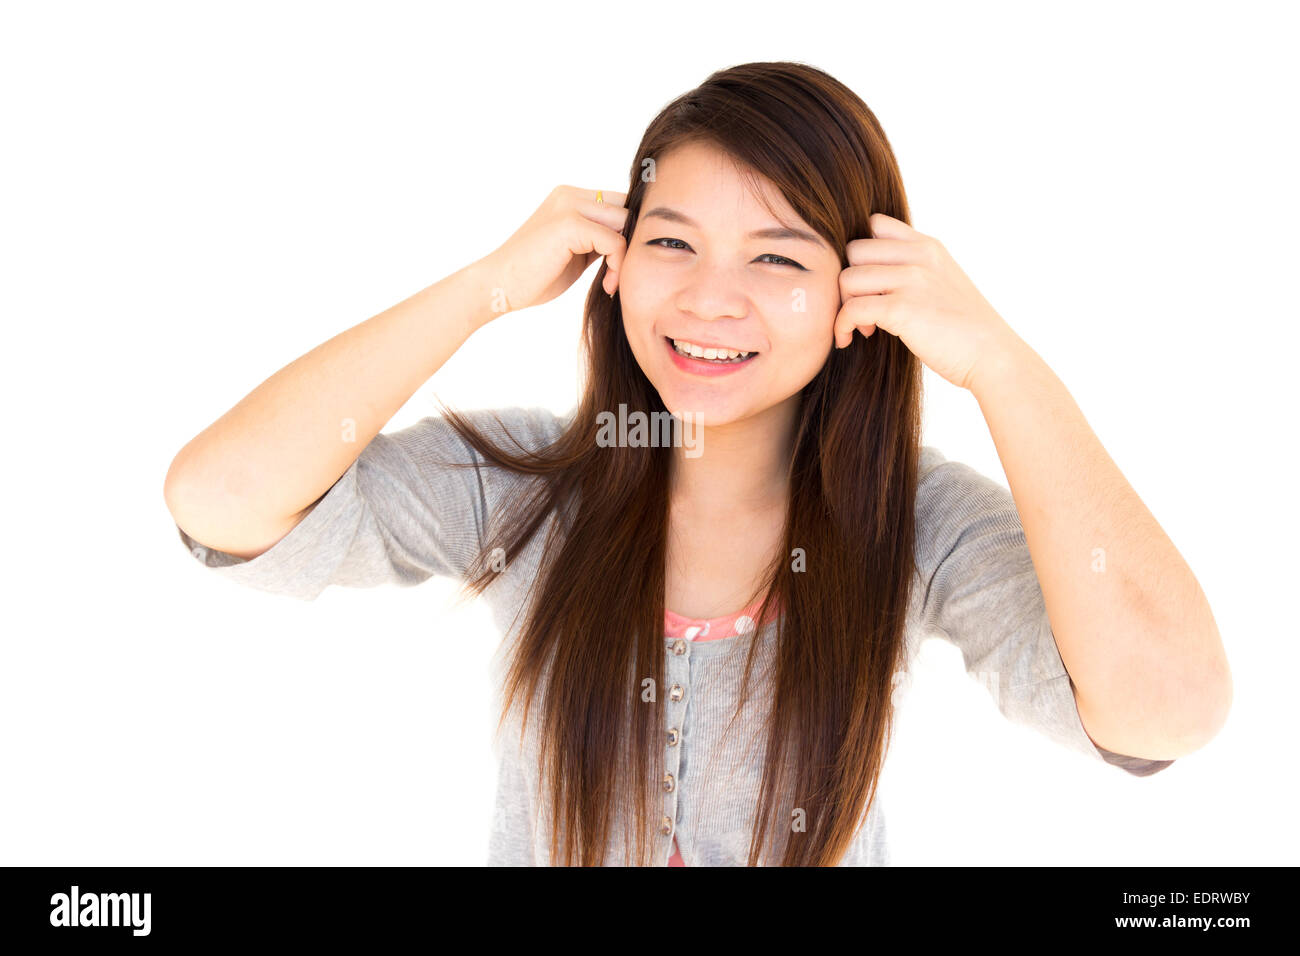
column 743, row 468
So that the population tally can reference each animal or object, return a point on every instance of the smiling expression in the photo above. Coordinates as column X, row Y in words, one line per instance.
column 707, row 264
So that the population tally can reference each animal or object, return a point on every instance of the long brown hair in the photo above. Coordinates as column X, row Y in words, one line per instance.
column 853, row 472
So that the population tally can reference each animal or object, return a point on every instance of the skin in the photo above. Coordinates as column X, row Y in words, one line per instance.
column 716, row 285
column 1135, row 632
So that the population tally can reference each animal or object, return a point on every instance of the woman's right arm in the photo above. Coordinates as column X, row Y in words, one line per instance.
column 251, row 476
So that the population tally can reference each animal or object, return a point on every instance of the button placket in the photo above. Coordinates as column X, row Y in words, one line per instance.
column 678, row 669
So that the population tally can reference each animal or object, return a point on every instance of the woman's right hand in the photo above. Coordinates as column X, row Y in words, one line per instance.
column 555, row 246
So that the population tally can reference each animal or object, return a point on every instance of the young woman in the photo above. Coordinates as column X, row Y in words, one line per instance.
column 702, row 638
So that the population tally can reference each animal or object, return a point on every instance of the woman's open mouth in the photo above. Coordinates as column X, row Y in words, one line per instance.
column 703, row 360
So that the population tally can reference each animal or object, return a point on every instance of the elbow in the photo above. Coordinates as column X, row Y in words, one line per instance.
column 1200, row 710
column 1217, row 704
column 1209, row 694
column 1174, row 719
column 171, row 485
column 1205, row 713
column 177, row 484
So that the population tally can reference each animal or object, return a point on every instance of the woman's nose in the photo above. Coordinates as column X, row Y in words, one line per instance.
column 714, row 293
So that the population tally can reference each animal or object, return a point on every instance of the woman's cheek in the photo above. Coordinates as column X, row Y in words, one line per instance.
column 811, row 314
column 784, row 295
column 636, row 281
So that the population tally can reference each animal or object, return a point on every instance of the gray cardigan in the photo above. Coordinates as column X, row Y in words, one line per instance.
column 397, row 516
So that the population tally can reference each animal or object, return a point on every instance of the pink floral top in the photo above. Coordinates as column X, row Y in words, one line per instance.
column 713, row 629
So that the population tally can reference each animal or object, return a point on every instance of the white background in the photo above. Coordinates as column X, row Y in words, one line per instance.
column 195, row 195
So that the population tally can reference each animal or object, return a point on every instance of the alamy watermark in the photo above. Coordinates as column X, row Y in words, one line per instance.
column 101, row 909
column 639, row 429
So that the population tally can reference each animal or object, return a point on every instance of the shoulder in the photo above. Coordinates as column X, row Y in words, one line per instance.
column 512, row 427
column 948, row 481
column 931, row 458
column 531, row 425
column 960, row 508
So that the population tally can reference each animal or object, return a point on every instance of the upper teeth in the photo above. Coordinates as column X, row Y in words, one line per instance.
column 699, row 351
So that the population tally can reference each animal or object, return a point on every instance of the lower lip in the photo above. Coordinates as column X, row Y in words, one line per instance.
column 704, row 366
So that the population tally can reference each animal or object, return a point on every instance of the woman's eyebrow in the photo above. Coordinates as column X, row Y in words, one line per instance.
column 771, row 232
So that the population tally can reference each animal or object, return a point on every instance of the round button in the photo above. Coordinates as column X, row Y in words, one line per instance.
column 666, row 826
column 679, row 646
column 669, row 783
column 674, row 735
column 676, row 692
column 744, row 624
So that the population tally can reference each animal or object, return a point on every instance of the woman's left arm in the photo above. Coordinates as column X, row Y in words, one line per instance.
column 1132, row 625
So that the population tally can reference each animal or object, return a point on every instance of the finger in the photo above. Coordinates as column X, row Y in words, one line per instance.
column 600, row 240
column 887, row 227
column 875, row 279
column 862, row 313
column 614, row 262
column 609, row 195
column 861, row 252
column 610, row 213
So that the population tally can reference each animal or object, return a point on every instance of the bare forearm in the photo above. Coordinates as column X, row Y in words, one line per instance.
column 285, row 443
column 1133, row 627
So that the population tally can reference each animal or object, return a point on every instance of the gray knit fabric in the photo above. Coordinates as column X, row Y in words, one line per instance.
column 398, row 516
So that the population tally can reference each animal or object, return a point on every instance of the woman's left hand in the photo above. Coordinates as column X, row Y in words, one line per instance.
column 906, row 283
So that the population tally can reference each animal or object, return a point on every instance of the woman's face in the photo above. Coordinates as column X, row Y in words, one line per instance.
column 694, row 273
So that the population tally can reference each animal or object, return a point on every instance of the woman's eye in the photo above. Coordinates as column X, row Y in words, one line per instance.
column 782, row 260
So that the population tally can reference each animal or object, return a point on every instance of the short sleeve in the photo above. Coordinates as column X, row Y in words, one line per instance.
column 404, row 511
column 981, row 594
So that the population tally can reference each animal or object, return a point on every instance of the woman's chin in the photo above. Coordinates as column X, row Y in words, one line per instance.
column 705, row 413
